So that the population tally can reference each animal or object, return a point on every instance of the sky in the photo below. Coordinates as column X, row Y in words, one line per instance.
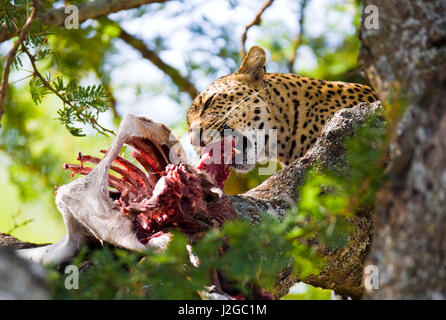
column 135, row 70
column 131, row 74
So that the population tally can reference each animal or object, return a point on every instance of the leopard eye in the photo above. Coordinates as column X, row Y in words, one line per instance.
column 207, row 104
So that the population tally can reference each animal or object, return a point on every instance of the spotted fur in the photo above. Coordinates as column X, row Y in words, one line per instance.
column 296, row 106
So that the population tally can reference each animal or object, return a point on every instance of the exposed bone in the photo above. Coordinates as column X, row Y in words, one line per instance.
column 142, row 206
column 85, row 204
column 344, row 269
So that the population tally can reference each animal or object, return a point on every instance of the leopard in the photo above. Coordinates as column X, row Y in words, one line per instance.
column 294, row 106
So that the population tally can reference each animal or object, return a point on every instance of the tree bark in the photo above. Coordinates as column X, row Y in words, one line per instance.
column 406, row 57
column 343, row 271
column 9, row 242
column 408, row 53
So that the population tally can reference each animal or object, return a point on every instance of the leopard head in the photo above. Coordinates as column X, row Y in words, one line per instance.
column 234, row 103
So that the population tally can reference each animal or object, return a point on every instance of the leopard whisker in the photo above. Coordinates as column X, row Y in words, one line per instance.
column 239, row 106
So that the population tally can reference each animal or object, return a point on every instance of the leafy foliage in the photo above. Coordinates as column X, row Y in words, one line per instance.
column 69, row 58
column 81, row 105
column 330, row 198
column 34, row 168
column 247, row 254
column 254, row 255
column 85, row 104
column 117, row 274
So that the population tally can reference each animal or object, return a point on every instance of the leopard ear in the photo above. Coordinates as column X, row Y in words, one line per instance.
column 253, row 65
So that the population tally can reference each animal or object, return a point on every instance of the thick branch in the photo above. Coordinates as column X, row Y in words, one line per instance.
column 405, row 60
column 343, row 272
column 10, row 58
column 90, row 10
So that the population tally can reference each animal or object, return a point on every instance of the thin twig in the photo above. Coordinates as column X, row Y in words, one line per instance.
column 18, row 225
column 10, row 58
column 61, row 97
column 299, row 38
column 18, row 80
column 254, row 22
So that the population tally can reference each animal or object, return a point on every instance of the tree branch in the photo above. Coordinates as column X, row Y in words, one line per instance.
column 90, row 10
column 112, row 100
column 9, row 242
column 405, row 60
column 37, row 73
column 298, row 40
column 256, row 21
column 56, row 17
column 344, row 267
column 105, row 81
column 10, row 58
column 180, row 81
